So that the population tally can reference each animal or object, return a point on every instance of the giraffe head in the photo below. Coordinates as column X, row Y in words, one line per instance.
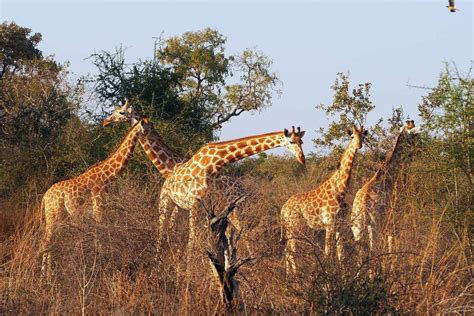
column 293, row 142
column 357, row 135
column 124, row 113
column 409, row 132
column 410, row 128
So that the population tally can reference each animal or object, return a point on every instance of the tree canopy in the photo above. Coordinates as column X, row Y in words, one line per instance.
column 349, row 106
column 37, row 103
column 17, row 45
column 447, row 112
column 191, row 83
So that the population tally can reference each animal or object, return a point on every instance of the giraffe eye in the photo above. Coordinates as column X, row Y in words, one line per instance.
column 292, row 142
column 122, row 113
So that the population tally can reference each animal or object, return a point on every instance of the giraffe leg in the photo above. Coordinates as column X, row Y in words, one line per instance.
column 173, row 214
column 190, row 252
column 289, row 255
column 97, row 206
column 164, row 206
column 236, row 228
column 53, row 208
column 339, row 245
column 46, row 260
column 288, row 221
column 329, row 241
column 391, row 249
column 370, row 233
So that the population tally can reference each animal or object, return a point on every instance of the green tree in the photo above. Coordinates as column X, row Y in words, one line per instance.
column 350, row 106
column 36, row 104
column 198, row 60
column 191, row 87
column 447, row 112
column 17, row 45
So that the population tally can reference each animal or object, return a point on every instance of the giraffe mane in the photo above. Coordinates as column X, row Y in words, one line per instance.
column 243, row 139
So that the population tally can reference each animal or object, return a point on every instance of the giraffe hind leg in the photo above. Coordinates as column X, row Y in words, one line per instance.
column 288, row 220
column 53, row 209
column 290, row 249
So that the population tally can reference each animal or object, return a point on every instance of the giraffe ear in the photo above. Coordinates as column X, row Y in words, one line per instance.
column 146, row 119
column 365, row 132
column 349, row 132
column 285, row 132
column 302, row 134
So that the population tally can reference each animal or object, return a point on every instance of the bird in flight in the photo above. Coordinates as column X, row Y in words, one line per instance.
column 451, row 6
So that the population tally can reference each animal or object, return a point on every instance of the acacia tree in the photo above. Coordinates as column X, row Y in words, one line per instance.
column 191, row 84
column 199, row 61
column 350, row 106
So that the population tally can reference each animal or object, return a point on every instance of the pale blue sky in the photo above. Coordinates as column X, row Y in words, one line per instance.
column 388, row 43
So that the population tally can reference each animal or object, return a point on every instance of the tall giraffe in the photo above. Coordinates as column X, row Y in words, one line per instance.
column 165, row 159
column 189, row 182
column 70, row 197
column 320, row 207
column 372, row 200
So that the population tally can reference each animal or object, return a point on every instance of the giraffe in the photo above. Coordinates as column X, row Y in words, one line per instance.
column 69, row 197
column 189, row 182
column 372, row 200
column 165, row 159
column 320, row 207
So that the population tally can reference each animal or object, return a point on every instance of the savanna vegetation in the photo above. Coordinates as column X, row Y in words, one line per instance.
column 51, row 129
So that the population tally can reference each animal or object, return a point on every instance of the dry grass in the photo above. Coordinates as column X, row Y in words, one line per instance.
column 115, row 268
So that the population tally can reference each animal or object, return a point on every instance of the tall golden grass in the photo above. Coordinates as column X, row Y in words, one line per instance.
column 114, row 267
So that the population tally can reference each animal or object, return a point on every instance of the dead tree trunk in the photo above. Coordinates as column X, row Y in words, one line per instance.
column 222, row 253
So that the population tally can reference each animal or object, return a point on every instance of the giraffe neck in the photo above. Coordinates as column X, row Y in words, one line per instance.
column 215, row 156
column 117, row 161
column 340, row 178
column 391, row 163
column 393, row 160
column 162, row 156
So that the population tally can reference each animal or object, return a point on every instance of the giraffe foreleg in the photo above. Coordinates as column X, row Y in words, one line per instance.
column 165, row 204
column 288, row 221
column 97, row 206
column 172, row 216
column 330, row 239
column 190, row 252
